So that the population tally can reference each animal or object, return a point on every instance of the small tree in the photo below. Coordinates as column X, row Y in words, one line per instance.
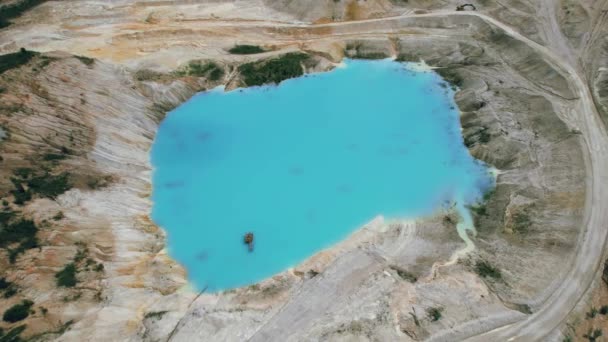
column 434, row 314
column 67, row 276
column 18, row 312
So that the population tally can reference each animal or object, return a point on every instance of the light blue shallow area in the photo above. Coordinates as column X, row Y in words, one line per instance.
column 303, row 164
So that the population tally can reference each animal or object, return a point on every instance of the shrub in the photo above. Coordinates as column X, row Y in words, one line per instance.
column 99, row 268
column 5, row 217
column 155, row 314
column 18, row 312
column 53, row 156
column 604, row 309
column 15, row 9
column 274, row 70
column 49, row 186
column 593, row 334
column 196, row 68
column 484, row 269
column 59, row 216
column 29, row 243
column 67, row 276
column 15, row 60
column 12, row 335
column 451, row 76
column 521, row 222
column 405, row 274
column 246, row 49
column 592, row 313
column 20, row 231
column 434, row 314
column 85, row 60
column 11, row 291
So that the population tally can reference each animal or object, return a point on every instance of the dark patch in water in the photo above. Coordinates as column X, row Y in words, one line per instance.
column 176, row 184
column 202, row 256
column 203, row 136
column 344, row 189
column 295, row 170
column 353, row 147
column 311, row 216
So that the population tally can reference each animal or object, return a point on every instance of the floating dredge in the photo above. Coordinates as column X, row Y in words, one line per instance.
column 248, row 240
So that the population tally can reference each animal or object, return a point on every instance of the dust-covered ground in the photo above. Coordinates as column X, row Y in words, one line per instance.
column 80, row 107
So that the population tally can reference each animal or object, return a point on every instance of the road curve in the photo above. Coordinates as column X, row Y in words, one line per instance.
column 592, row 240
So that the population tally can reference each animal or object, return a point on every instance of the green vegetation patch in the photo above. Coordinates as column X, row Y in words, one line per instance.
column 274, row 70
column 361, row 54
column 17, row 232
column 53, row 156
column 15, row 9
column 12, row 335
column 246, row 50
column 484, row 269
column 155, row 314
column 16, row 59
column 434, row 314
column 46, row 185
column 593, row 334
column 451, row 76
column 209, row 70
column 85, row 60
column 404, row 274
column 67, row 276
column 18, row 312
column 22, row 233
column 521, row 222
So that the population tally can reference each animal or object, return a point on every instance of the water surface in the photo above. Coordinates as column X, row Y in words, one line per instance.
column 303, row 164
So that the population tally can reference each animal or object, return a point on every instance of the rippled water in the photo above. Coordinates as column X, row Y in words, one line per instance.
column 303, row 164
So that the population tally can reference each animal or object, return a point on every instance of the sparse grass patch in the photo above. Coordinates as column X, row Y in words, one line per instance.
column 67, row 276
column 23, row 233
column 434, row 313
column 209, row 70
column 46, row 185
column 359, row 54
column 521, row 222
column 592, row 313
column 593, row 334
column 59, row 216
column 53, row 156
column 479, row 209
column 407, row 57
column 274, row 70
column 15, row 9
column 7, row 288
column 12, row 335
column 18, row 312
column 246, row 50
column 11, row 291
column 16, row 59
column 86, row 60
column 155, row 314
column 451, row 76
column 148, row 75
column 484, row 269
column 404, row 274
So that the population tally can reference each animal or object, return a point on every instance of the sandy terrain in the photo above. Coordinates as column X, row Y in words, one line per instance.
column 533, row 94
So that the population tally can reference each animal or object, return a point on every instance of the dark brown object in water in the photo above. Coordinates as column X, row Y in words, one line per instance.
column 249, row 241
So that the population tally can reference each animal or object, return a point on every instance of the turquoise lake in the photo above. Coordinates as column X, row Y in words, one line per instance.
column 304, row 164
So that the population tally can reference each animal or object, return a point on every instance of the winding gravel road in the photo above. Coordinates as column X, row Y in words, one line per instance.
column 591, row 245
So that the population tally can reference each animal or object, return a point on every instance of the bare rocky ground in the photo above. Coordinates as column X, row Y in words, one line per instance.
column 523, row 94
